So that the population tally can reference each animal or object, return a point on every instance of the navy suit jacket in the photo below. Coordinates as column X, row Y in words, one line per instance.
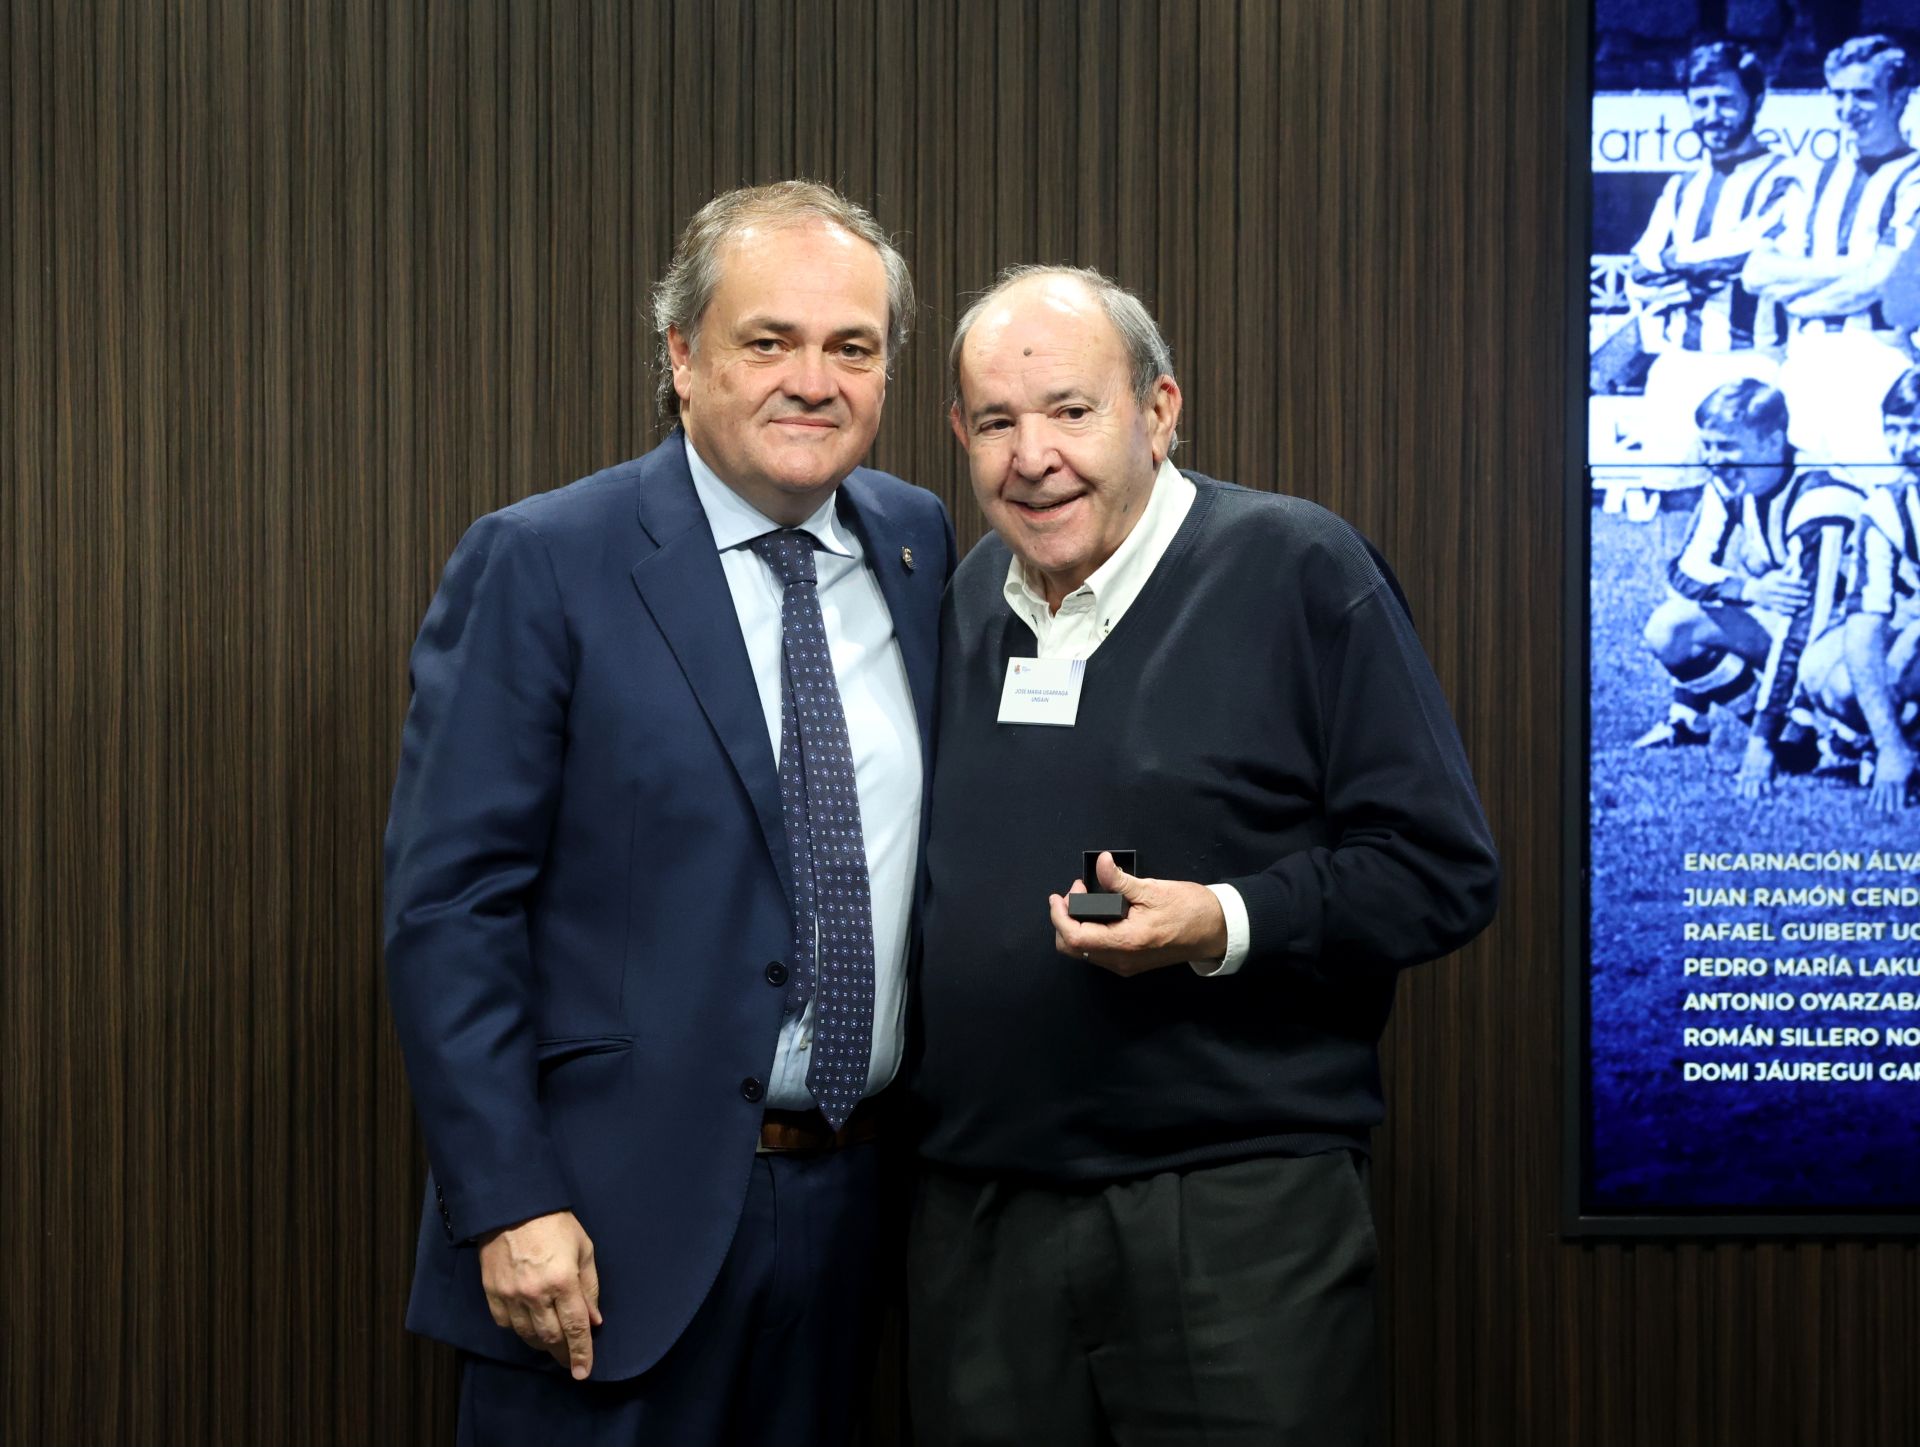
column 586, row 883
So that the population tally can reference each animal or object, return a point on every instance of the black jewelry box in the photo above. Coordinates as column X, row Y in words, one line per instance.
column 1094, row 906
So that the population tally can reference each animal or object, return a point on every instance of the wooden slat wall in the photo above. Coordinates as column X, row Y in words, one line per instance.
column 292, row 289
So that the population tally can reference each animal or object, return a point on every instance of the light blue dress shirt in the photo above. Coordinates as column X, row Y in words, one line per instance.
column 881, row 728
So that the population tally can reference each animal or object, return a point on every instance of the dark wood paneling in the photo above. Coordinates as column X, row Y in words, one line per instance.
column 290, row 293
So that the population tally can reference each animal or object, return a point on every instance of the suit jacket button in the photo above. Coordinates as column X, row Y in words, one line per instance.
column 776, row 973
column 752, row 1089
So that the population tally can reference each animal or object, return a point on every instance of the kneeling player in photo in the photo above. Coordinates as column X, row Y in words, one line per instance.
column 1877, row 692
column 1760, row 577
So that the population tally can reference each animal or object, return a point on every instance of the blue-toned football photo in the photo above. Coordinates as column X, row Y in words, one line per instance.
column 1753, row 989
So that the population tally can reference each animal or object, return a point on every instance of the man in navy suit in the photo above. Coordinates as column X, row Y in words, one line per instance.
column 650, row 872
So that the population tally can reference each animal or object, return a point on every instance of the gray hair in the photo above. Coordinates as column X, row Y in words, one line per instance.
column 1147, row 350
column 1886, row 56
column 680, row 300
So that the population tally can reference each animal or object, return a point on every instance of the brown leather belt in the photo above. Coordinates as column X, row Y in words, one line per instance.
column 785, row 1132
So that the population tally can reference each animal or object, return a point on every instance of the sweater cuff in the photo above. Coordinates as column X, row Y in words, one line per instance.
column 1285, row 921
column 1239, row 939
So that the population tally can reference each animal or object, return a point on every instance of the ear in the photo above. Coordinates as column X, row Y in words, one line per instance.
column 680, row 354
column 959, row 427
column 1163, row 415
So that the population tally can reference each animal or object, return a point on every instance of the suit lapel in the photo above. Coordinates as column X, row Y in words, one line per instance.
column 684, row 588
column 909, row 593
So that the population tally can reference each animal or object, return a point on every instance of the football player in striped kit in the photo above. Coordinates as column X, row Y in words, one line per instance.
column 1687, row 264
column 1760, row 577
column 1882, row 678
column 1830, row 261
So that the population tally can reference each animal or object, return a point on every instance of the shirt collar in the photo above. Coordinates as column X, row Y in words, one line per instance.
column 1749, row 149
column 1118, row 581
column 735, row 522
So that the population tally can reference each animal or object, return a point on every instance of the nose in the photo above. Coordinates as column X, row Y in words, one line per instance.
column 810, row 379
column 1033, row 454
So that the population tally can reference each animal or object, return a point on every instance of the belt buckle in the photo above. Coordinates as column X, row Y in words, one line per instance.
column 807, row 1132
column 795, row 1136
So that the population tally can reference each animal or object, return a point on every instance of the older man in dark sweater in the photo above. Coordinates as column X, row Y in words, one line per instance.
column 1144, row 1215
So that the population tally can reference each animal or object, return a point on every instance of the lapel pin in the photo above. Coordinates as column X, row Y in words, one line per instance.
column 906, row 559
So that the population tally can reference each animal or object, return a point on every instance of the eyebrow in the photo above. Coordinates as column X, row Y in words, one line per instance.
column 1051, row 399
column 787, row 328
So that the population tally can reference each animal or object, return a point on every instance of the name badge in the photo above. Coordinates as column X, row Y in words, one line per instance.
column 1042, row 691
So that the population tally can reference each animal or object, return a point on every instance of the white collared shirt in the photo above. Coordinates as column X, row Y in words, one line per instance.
column 881, row 728
column 1094, row 609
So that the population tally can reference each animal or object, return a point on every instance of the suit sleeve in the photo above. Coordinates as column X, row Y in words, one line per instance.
column 473, row 810
column 1409, row 871
column 952, row 544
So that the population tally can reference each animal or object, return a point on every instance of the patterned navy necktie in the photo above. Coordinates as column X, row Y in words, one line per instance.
column 832, row 907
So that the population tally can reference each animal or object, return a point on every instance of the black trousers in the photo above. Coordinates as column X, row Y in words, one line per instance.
column 1226, row 1305
column 779, row 1353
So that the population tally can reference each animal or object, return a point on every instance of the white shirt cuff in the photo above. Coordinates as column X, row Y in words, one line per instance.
column 1239, row 938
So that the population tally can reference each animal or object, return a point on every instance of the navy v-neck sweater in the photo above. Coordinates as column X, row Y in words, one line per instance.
column 1263, row 715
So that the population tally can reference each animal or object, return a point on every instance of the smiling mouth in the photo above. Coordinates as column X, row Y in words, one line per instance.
column 1043, row 512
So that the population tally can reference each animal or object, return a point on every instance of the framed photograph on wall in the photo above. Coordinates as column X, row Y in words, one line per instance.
column 1743, row 1017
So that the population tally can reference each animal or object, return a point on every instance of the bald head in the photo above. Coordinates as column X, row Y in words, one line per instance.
column 1046, row 324
column 1070, row 287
